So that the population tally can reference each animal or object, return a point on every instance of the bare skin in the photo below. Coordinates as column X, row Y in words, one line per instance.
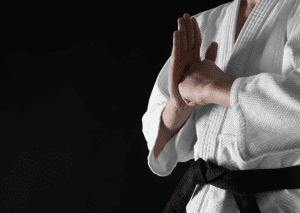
column 185, row 54
column 196, row 78
column 214, row 85
column 249, row 3
column 245, row 9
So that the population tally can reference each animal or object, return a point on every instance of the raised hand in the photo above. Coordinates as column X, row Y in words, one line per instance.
column 202, row 83
column 186, row 52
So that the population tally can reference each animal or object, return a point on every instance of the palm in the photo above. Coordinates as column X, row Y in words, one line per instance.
column 187, row 67
column 185, row 53
column 186, row 59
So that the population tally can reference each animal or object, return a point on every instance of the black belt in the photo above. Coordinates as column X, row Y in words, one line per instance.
column 242, row 184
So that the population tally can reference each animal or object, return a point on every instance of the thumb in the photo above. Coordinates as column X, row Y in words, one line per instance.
column 211, row 52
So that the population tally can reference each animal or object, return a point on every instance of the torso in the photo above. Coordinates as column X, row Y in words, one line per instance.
column 244, row 13
column 240, row 23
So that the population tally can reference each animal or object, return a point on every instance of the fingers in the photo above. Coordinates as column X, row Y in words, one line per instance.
column 175, row 43
column 211, row 52
column 182, row 30
column 173, row 76
column 198, row 39
column 189, row 31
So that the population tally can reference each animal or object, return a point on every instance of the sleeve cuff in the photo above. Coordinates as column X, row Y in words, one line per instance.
column 234, row 92
column 178, row 149
column 235, row 106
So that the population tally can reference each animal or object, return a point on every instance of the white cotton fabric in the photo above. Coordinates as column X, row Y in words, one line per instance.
column 261, row 130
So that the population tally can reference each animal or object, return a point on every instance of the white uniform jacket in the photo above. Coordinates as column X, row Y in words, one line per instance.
column 261, row 130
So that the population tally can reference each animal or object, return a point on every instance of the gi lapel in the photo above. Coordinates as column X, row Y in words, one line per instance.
column 246, row 40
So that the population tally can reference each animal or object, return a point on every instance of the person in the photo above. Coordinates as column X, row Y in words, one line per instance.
column 239, row 107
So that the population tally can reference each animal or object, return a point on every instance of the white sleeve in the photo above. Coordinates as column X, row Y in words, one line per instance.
column 181, row 147
column 268, row 104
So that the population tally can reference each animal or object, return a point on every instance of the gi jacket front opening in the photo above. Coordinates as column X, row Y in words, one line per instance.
column 261, row 130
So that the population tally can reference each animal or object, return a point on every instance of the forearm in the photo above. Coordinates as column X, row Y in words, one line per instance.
column 172, row 121
column 220, row 92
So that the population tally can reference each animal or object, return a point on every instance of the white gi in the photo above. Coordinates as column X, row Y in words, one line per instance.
column 262, row 129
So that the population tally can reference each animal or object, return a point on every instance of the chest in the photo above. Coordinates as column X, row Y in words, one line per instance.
column 243, row 14
column 240, row 23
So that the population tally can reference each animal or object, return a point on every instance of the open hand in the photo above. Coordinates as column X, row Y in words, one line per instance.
column 197, row 85
column 186, row 52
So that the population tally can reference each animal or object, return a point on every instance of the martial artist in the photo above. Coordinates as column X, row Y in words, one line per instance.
column 230, row 94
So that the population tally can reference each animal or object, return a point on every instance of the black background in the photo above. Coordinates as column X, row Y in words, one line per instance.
column 76, row 84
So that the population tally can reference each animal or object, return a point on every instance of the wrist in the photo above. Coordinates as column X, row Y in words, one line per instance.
column 220, row 92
